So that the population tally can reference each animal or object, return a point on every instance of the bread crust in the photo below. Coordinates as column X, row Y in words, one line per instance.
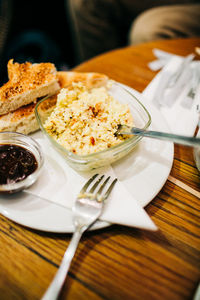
column 90, row 79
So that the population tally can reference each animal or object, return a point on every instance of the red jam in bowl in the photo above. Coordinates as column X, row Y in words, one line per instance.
column 16, row 163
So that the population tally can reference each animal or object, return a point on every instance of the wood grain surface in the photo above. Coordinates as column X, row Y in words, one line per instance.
column 118, row 262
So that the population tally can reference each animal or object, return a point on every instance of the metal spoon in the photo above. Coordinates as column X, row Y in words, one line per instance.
column 178, row 139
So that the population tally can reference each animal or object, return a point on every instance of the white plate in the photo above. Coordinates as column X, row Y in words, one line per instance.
column 144, row 173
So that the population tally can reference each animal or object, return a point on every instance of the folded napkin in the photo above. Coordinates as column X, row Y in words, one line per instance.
column 60, row 184
column 175, row 91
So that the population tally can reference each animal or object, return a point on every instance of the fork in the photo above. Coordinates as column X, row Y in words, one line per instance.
column 178, row 139
column 86, row 210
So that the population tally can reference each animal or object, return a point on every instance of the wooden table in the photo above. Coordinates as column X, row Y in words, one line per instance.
column 118, row 262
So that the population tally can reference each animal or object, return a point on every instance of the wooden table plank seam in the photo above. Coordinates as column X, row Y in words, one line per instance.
column 173, row 202
column 31, row 249
column 184, row 186
column 88, row 286
column 179, row 227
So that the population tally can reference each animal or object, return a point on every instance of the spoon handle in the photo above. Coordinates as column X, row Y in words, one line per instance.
column 178, row 139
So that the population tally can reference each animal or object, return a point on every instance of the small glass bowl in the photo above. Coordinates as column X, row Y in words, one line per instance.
column 26, row 142
column 141, row 118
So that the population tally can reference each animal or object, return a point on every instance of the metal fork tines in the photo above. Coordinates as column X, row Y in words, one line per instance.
column 86, row 210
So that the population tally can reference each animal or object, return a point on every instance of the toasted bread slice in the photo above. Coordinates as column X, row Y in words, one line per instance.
column 27, row 82
column 90, row 79
column 23, row 119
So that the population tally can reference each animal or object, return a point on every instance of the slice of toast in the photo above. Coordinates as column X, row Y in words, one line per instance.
column 23, row 119
column 90, row 79
column 27, row 82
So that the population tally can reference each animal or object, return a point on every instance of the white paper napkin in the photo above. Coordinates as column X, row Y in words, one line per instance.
column 169, row 92
column 60, row 184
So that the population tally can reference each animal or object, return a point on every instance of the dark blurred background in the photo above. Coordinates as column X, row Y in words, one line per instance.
column 36, row 31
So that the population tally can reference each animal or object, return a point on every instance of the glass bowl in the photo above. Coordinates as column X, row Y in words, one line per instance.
column 141, row 117
column 26, row 142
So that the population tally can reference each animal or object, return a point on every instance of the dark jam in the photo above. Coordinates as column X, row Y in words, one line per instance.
column 16, row 163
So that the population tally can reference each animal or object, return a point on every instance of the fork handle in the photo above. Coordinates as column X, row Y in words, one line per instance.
column 58, row 281
column 179, row 139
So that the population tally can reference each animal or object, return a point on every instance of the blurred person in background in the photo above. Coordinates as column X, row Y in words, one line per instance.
column 101, row 25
